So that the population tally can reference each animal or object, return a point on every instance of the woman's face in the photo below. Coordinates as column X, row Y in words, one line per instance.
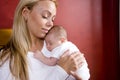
column 40, row 19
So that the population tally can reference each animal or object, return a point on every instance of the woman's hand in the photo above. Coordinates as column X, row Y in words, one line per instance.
column 71, row 62
column 76, row 75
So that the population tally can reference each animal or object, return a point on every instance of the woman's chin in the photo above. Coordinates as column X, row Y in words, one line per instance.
column 43, row 36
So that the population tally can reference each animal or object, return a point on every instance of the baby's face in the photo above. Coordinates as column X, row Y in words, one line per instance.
column 52, row 42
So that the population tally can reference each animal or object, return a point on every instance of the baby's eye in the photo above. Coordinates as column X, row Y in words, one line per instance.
column 50, row 43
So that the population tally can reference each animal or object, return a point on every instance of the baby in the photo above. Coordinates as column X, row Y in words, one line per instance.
column 55, row 45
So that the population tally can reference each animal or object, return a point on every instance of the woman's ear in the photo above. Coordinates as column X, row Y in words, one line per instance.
column 25, row 13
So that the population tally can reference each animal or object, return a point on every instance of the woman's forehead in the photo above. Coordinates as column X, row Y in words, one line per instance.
column 46, row 6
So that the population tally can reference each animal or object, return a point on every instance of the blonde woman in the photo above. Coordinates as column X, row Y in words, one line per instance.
column 32, row 20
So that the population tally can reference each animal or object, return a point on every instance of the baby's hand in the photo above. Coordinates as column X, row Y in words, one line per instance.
column 37, row 54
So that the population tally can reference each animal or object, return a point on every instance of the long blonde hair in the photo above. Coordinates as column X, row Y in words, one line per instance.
column 19, row 43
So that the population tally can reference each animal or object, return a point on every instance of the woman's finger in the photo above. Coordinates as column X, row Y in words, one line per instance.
column 66, row 53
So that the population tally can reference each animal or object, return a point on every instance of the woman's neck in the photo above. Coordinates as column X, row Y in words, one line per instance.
column 37, row 44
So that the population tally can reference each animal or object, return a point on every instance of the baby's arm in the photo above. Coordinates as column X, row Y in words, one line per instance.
column 51, row 61
column 83, row 72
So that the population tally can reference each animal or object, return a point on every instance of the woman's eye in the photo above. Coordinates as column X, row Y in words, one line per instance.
column 44, row 17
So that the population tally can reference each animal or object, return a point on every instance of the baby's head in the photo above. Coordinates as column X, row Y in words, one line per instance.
column 55, row 37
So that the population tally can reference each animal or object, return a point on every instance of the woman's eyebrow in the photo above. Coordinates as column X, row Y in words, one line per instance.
column 48, row 12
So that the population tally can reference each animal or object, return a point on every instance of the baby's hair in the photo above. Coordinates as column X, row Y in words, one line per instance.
column 58, row 31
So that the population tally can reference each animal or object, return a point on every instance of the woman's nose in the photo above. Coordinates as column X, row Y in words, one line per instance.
column 50, row 23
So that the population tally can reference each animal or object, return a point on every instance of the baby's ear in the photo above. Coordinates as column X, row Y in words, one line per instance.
column 63, row 40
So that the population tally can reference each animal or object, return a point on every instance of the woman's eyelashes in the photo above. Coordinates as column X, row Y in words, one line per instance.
column 48, row 16
column 45, row 17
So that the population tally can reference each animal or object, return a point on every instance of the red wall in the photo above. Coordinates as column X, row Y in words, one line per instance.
column 7, row 9
column 91, row 25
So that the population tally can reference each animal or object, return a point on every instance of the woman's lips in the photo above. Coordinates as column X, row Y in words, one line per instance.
column 45, row 30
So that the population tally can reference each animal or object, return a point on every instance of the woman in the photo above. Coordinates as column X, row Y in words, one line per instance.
column 32, row 20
